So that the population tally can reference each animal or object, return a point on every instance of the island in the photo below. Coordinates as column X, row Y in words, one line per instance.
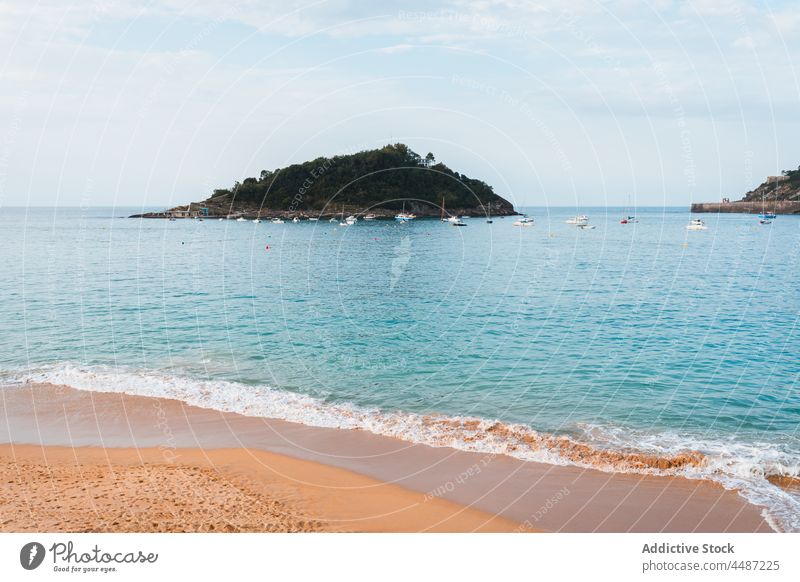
column 777, row 194
column 377, row 183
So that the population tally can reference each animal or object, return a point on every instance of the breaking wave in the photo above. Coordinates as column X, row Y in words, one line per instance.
column 764, row 473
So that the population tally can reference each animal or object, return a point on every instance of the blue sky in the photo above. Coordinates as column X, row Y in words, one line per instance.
column 601, row 102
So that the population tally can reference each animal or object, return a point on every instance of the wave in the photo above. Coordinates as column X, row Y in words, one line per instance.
column 763, row 472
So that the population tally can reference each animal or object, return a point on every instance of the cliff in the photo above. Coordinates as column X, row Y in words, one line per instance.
column 380, row 182
column 778, row 194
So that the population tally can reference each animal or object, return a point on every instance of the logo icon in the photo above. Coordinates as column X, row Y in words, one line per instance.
column 31, row 555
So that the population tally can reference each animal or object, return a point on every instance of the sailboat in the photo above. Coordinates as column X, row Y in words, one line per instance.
column 767, row 217
column 403, row 217
column 489, row 214
column 453, row 220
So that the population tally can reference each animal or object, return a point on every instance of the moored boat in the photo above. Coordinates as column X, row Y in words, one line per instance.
column 404, row 216
column 696, row 224
column 577, row 220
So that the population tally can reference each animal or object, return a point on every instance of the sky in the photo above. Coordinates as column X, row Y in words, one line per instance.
column 579, row 103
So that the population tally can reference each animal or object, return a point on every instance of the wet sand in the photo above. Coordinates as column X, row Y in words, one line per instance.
column 538, row 496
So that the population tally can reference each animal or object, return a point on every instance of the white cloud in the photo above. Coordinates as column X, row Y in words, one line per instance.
column 786, row 22
column 178, row 122
column 745, row 42
column 397, row 48
column 726, row 8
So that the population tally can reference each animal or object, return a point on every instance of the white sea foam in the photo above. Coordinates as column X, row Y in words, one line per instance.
column 733, row 463
column 743, row 466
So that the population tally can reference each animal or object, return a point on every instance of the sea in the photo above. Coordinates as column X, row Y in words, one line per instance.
column 640, row 347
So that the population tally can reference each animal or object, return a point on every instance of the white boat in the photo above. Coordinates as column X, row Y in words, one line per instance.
column 240, row 219
column 524, row 221
column 696, row 224
column 581, row 219
column 351, row 220
column 257, row 220
column 767, row 217
column 404, row 216
column 277, row 221
column 333, row 219
column 586, row 226
column 370, row 217
column 452, row 219
column 458, row 223
column 313, row 219
column 295, row 220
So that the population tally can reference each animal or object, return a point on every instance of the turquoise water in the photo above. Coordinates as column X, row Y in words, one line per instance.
column 639, row 337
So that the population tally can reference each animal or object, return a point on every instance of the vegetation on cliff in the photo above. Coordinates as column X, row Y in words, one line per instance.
column 785, row 188
column 381, row 179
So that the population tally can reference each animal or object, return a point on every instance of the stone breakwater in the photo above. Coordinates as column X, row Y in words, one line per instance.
column 743, row 207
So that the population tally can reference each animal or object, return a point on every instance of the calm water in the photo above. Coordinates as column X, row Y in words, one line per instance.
column 643, row 336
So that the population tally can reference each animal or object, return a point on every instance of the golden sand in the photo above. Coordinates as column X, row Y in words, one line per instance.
column 60, row 489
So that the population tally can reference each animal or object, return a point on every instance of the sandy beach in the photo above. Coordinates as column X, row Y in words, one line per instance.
column 89, row 461
column 90, row 489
